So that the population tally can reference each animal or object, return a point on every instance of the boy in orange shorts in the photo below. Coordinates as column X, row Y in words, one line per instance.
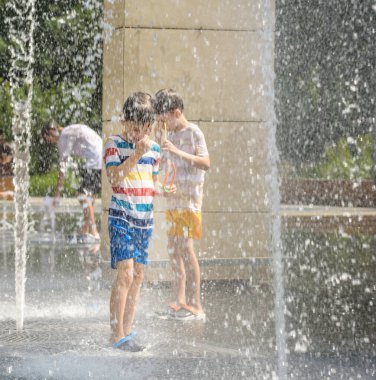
column 186, row 148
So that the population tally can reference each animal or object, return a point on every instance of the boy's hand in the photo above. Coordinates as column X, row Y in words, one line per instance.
column 143, row 145
column 158, row 187
column 170, row 147
column 170, row 190
column 166, row 191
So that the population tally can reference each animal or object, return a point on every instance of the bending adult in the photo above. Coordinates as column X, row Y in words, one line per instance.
column 79, row 141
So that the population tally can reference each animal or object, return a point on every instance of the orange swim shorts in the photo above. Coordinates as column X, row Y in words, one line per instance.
column 185, row 223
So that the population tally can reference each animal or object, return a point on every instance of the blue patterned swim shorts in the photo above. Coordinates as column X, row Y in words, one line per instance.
column 127, row 242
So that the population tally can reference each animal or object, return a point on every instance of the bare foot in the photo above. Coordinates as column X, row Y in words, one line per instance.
column 114, row 339
column 175, row 306
column 194, row 309
column 97, row 236
column 94, row 232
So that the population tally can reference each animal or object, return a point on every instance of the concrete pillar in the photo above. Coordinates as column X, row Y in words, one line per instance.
column 210, row 52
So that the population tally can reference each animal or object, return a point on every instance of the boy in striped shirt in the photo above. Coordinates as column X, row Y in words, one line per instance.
column 132, row 164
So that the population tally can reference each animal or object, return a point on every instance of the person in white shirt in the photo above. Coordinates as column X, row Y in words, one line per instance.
column 184, row 146
column 78, row 140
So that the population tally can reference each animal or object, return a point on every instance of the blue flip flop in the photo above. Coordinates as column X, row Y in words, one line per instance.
column 121, row 341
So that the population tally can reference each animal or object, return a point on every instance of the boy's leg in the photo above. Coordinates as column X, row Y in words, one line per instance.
column 120, row 290
column 90, row 184
column 193, row 276
column 88, row 225
column 92, row 226
column 133, row 297
column 178, row 270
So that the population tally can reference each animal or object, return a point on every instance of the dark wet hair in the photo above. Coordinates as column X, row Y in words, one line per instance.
column 139, row 108
column 5, row 149
column 50, row 126
column 167, row 100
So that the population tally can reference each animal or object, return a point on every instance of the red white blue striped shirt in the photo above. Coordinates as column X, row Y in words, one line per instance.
column 132, row 198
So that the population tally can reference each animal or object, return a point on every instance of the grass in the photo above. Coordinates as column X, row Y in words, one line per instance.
column 42, row 185
column 349, row 159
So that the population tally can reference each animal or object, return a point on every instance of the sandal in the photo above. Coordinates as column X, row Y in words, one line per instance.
column 129, row 344
column 187, row 314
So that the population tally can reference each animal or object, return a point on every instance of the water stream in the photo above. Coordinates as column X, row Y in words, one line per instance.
column 267, row 52
column 20, row 19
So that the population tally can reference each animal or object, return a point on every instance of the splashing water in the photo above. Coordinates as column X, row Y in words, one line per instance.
column 49, row 216
column 267, row 52
column 20, row 18
column 82, row 93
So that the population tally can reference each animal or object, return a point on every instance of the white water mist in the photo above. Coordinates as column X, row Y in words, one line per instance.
column 20, row 20
column 267, row 13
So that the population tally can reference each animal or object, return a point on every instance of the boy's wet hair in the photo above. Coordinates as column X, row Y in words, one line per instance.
column 167, row 100
column 50, row 126
column 5, row 149
column 139, row 108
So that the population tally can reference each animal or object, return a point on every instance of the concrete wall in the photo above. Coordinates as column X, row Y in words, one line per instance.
column 210, row 52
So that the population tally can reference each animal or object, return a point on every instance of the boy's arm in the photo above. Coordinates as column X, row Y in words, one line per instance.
column 60, row 183
column 201, row 162
column 64, row 146
column 116, row 174
column 157, row 185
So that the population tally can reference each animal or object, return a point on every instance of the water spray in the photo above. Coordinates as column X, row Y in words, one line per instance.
column 21, row 21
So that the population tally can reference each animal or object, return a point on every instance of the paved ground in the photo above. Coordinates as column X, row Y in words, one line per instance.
column 303, row 210
column 330, row 309
column 66, row 329
column 70, row 204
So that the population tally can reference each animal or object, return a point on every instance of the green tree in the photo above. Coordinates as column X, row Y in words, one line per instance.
column 325, row 82
column 67, row 70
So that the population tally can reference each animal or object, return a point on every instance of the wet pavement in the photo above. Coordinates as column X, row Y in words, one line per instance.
column 329, row 309
column 66, row 326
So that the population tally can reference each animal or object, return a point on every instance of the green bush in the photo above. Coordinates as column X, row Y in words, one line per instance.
column 45, row 184
column 349, row 159
column 67, row 84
